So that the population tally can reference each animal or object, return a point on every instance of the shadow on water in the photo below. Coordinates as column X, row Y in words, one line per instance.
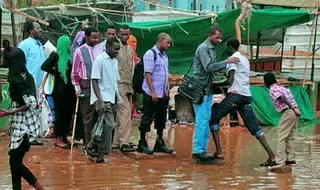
column 239, row 169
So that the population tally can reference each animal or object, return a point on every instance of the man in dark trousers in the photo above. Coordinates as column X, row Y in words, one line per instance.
column 155, row 96
column 81, row 76
column 238, row 98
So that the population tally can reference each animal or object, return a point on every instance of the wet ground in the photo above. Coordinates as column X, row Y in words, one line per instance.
column 239, row 170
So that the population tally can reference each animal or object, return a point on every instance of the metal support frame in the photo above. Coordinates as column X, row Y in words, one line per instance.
column 258, row 44
column 0, row 20
column 314, row 48
column 194, row 5
column 294, row 50
column 94, row 16
column 282, row 47
column 13, row 26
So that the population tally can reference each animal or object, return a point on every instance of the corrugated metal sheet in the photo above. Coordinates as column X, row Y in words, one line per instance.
column 290, row 63
column 300, row 35
column 287, row 3
column 6, row 28
column 160, row 15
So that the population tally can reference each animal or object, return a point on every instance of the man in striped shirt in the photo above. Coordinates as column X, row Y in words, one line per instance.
column 81, row 76
column 285, row 104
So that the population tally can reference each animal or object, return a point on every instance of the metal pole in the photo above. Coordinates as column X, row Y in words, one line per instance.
column 259, row 39
column 282, row 47
column 29, row 3
column 194, row 5
column 0, row 20
column 13, row 26
column 94, row 15
column 310, row 42
column 314, row 48
column 258, row 45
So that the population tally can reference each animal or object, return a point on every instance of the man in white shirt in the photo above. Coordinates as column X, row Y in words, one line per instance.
column 238, row 98
column 104, row 79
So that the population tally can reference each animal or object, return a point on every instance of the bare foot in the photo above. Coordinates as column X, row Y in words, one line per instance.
column 38, row 186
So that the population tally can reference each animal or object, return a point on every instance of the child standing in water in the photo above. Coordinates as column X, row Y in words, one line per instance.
column 287, row 106
column 24, row 122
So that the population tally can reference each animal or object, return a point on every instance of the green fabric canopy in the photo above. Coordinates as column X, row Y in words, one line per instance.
column 5, row 105
column 262, row 105
column 188, row 33
column 266, row 112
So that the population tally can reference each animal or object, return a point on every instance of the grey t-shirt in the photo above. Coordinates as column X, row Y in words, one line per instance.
column 241, row 84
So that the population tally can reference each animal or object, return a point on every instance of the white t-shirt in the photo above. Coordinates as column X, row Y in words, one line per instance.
column 241, row 82
column 105, row 70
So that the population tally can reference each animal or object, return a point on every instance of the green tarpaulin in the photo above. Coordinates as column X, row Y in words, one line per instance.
column 262, row 105
column 187, row 34
column 266, row 112
column 5, row 105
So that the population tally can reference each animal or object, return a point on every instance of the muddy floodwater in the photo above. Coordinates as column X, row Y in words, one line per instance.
column 239, row 170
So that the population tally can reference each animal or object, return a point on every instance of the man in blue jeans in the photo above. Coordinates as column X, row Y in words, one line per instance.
column 205, row 64
column 238, row 98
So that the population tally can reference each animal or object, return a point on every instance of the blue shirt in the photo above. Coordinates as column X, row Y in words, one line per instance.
column 35, row 56
column 158, row 69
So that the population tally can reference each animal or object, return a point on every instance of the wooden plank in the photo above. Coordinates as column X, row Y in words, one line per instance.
column 283, row 169
column 287, row 3
column 141, row 156
column 257, row 80
column 15, row 11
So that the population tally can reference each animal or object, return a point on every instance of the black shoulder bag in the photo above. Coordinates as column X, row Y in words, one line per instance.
column 191, row 88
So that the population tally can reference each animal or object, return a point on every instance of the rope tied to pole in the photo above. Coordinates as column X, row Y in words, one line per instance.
column 246, row 9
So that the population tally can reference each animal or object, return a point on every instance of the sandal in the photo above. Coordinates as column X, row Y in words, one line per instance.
column 66, row 147
column 269, row 162
column 216, row 156
column 132, row 144
column 91, row 153
column 36, row 143
column 101, row 161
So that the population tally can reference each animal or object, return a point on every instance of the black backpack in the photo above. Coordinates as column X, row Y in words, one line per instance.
column 138, row 75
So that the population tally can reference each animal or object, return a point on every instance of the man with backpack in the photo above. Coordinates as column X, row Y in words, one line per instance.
column 155, row 94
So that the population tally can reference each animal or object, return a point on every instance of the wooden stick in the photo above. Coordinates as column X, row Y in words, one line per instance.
column 238, row 29
column 237, row 25
column 310, row 42
column 15, row 11
column 74, row 126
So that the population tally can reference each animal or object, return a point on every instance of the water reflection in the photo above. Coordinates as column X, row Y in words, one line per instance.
column 239, row 169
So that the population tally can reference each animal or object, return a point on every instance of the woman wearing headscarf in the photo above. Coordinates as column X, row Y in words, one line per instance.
column 132, row 42
column 59, row 65
column 79, row 39
column 77, row 42
column 25, row 122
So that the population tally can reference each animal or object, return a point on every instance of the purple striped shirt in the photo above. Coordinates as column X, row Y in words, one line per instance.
column 159, row 71
column 277, row 91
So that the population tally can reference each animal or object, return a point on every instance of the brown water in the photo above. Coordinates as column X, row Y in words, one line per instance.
column 239, row 170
